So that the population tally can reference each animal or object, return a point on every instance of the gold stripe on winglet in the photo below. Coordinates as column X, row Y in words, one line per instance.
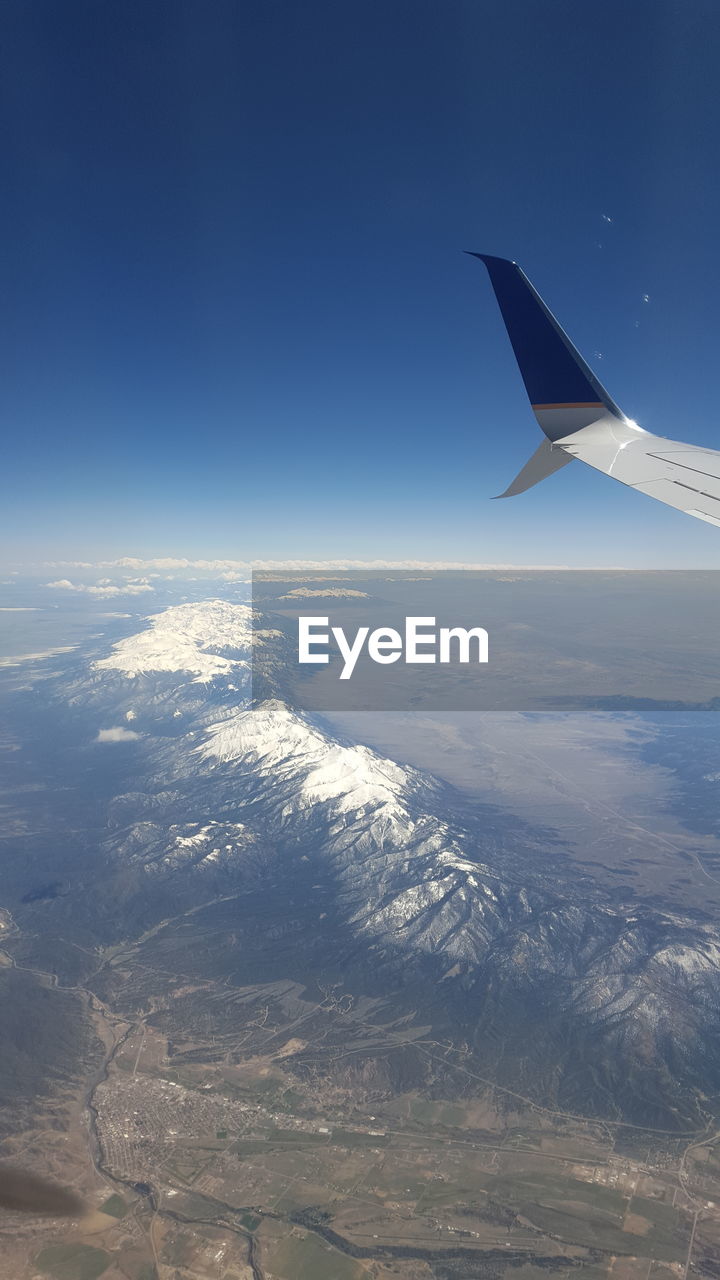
column 573, row 404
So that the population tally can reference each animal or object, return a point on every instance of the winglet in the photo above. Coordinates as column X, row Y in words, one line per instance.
column 547, row 459
column 564, row 393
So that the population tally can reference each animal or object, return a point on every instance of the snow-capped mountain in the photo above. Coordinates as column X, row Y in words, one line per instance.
column 417, row 878
column 203, row 641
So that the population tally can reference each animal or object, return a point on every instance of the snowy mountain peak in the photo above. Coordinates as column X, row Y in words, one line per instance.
column 285, row 744
column 190, row 638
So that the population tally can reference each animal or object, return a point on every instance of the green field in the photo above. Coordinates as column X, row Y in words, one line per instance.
column 351, row 1138
column 585, row 1228
column 519, row 1188
column 307, row 1258
column 438, row 1192
column 446, row 1115
column 298, row 1135
column 115, row 1207
column 73, row 1261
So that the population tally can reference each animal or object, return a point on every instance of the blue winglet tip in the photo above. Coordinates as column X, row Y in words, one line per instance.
column 489, row 257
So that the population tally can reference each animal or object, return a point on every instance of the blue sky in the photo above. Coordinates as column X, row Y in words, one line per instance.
column 236, row 316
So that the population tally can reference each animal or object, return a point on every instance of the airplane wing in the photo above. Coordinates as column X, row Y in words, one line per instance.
column 579, row 418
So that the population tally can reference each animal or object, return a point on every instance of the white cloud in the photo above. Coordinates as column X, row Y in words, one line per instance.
column 15, row 659
column 104, row 587
column 226, row 569
column 118, row 733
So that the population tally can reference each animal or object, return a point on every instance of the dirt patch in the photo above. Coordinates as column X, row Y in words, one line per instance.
column 636, row 1224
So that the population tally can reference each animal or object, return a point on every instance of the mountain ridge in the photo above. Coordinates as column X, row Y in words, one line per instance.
column 420, row 883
